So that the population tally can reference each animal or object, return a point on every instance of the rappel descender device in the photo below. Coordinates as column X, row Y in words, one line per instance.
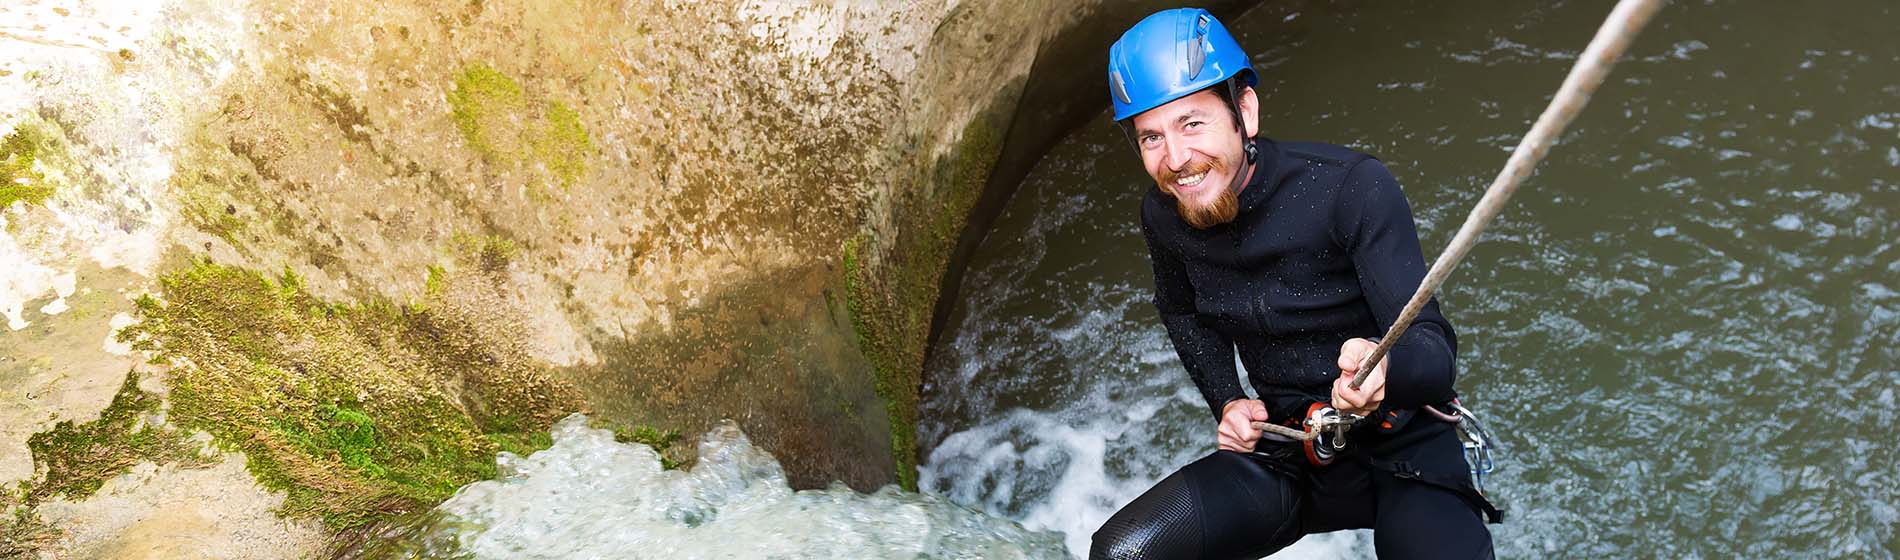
column 1329, row 427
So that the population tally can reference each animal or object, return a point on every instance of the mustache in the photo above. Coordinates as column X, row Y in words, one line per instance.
column 1196, row 167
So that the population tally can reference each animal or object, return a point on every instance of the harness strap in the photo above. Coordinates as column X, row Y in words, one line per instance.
column 1403, row 470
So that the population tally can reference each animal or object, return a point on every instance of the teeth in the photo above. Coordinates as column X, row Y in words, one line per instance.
column 1191, row 180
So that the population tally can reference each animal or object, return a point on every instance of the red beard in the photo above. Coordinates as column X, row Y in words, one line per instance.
column 1225, row 206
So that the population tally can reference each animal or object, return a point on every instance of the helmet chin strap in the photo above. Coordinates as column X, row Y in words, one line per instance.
column 1246, row 144
column 1241, row 175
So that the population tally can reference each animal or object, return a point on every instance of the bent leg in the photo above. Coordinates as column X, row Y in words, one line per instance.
column 1225, row 505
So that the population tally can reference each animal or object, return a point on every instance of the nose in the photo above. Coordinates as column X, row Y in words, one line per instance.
column 1177, row 155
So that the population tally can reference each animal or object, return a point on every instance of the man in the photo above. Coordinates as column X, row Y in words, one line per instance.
column 1294, row 255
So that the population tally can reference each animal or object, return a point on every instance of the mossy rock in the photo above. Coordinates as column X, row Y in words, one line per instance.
column 19, row 181
column 355, row 411
column 501, row 123
column 891, row 299
column 72, row 460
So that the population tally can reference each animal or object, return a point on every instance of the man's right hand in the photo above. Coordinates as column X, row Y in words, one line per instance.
column 1236, row 424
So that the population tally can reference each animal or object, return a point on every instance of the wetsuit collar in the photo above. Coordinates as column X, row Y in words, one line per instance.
column 1260, row 186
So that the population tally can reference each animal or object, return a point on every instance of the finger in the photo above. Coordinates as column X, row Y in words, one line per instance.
column 1247, row 433
column 1238, row 429
column 1355, row 399
column 1374, row 382
column 1231, row 443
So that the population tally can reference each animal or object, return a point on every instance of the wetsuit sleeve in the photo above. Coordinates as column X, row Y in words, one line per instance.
column 1374, row 223
column 1207, row 355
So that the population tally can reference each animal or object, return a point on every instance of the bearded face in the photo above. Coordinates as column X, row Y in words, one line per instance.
column 1202, row 191
column 1193, row 149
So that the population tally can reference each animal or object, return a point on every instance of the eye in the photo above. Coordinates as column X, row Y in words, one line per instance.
column 1191, row 125
column 1150, row 140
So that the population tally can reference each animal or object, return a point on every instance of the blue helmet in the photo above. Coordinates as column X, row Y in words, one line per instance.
column 1169, row 55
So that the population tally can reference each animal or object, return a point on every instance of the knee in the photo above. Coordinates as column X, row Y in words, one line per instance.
column 1120, row 541
column 1160, row 524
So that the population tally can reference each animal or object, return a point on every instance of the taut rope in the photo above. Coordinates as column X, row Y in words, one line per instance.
column 1622, row 26
column 1300, row 435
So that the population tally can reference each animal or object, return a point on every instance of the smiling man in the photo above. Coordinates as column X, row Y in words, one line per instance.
column 1291, row 255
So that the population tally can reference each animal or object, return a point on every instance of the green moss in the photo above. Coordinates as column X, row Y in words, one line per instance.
column 483, row 101
column 212, row 216
column 891, row 302
column 356, row 412
column 22, row 533
column 497, row 118
column 435, row 282
column 522, row 444
column 564, row 144
column 18, row 180
column 660, row 440
column 491, row 253
column 74, row 459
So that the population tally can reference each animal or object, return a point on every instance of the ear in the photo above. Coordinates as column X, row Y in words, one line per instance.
column 1250, row 111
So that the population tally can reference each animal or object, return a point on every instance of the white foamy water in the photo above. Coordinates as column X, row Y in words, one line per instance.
column 591, row 497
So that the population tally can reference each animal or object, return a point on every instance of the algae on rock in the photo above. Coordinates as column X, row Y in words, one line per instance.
column 498, row 120
column 355, row 411
column 72, row 460
column 18, row 179
column 891, row 298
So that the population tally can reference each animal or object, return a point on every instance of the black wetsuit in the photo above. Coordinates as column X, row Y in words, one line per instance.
column 1322, row 250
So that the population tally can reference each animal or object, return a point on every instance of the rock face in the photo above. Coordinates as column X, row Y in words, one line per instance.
column 662, row 212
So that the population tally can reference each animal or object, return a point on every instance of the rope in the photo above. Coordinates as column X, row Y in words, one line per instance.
column 1592, row 66
column 1285, row 431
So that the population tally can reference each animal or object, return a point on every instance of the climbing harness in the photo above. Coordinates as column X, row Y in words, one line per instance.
column 1322, row 435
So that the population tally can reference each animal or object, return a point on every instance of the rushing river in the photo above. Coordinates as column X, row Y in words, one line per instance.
column 1683, row 326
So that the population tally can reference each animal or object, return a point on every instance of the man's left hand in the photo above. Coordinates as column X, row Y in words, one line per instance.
column 1367, row 398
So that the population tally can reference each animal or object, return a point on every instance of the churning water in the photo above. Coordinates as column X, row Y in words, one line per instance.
column 591, row 497
column 1683, row 327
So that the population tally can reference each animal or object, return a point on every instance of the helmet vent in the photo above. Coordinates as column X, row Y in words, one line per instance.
column 1197, row 48
column 1121, row 89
